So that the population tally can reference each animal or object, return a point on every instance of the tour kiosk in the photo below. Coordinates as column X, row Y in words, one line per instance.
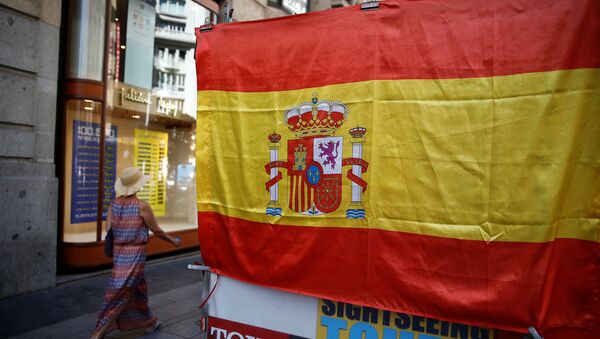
column 401, row 170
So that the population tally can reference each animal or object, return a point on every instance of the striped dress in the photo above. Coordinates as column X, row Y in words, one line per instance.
column 127, row 292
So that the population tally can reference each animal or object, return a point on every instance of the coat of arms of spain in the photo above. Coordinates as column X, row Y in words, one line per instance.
column 314, row 161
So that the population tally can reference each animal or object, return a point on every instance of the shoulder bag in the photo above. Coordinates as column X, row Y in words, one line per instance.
column 108, row 243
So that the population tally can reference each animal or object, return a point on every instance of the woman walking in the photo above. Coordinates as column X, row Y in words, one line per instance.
column 125, row 303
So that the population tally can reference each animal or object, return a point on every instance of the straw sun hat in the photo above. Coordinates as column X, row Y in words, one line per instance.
column 130, row 182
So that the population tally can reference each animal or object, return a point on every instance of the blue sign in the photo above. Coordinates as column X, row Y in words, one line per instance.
column 85, row 175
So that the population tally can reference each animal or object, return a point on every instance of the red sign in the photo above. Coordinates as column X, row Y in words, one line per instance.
column 225, row 329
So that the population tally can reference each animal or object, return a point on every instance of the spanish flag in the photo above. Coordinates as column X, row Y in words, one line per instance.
column 437, row 158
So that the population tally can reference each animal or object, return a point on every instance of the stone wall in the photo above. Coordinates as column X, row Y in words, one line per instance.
column 29, row 56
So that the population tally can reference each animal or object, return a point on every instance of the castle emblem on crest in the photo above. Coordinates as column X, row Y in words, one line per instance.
column 314, row 161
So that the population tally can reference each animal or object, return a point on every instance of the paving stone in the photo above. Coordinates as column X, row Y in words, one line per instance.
column 67, row 329
column 171, row 312
column 125, row 334
column 157, row 301
column 159, row 334
column 18, row 337
column 183, row 293
column 81, row 335
column 162, row 335
column 186, row 328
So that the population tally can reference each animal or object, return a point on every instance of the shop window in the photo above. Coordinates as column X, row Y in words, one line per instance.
column 86, row 39
column 157, row 119
column 150, row 119
column 82, row 169
column 172, row 7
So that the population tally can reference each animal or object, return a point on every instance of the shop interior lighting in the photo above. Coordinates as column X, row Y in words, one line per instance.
column 122, row 46
column 135, row 116
column 88, row 104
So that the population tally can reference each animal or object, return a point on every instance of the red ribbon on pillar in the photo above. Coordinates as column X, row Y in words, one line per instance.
column 357, row 180
column 363, row 168
column 273, row 181
column 278, row 177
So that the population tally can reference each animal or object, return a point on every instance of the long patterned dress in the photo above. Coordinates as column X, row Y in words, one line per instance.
column 127, row 292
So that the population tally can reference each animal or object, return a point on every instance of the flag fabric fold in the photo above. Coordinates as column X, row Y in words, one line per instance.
column 436, row 158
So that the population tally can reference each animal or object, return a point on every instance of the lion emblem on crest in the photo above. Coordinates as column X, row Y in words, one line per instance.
column 328, row 152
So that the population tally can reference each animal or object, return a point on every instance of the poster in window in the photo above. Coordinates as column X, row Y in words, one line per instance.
column 150, row 157
column 85, row 175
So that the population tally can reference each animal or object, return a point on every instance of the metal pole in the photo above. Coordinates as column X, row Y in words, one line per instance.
column 105, row 79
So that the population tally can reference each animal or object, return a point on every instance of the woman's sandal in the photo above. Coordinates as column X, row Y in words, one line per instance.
column 154, row 327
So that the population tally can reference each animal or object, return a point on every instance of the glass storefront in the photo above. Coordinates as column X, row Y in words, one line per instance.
column 150, row 113
column 86, row 39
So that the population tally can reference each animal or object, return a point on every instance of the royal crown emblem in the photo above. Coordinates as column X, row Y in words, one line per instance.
column 314, row 161
column 318, row 118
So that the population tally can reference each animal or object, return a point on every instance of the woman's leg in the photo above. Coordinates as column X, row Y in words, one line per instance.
column 116, row 298
column 140, row 296
column 100, row 332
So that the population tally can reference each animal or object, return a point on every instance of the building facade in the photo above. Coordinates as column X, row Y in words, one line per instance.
column 87, row 88
column 29, row 68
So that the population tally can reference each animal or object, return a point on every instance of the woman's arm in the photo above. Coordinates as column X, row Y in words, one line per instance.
column 150, row 221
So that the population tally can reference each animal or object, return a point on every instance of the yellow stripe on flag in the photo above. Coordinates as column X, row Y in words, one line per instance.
column 509, row 158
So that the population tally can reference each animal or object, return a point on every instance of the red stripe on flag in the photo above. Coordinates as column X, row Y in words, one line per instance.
column 505, row 285
column 400, row 40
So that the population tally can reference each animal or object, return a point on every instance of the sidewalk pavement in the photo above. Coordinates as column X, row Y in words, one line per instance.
column 70, row 309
